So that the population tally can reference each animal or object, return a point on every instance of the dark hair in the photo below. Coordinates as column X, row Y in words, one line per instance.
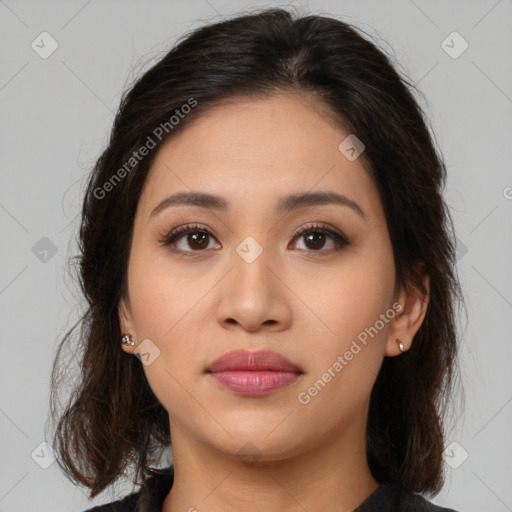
column 112, row 421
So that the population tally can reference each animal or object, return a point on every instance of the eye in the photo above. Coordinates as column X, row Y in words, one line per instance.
column 197, row 238
column 315, row 237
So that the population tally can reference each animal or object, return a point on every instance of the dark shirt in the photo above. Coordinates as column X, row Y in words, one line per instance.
column 386, row 498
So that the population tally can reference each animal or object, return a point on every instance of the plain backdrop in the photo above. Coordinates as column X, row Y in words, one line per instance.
column 56, row 112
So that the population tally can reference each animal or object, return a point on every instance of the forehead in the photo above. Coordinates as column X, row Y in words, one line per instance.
column 251, row 150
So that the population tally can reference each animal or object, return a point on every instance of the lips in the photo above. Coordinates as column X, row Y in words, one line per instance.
column 244, row 360
column 253, row 374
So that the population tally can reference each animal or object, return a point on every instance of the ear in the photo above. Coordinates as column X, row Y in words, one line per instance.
column 409, row 318
column 126, row 323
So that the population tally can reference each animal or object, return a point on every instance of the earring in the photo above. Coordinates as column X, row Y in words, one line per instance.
column 127, row 340
column 400, row 345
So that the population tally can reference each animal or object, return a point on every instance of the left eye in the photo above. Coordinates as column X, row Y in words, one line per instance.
column 197, row 238
column 316, row 236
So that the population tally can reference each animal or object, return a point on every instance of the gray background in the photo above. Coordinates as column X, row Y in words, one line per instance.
column 56, row 114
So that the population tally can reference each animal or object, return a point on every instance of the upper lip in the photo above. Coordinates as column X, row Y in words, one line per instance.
column 240, row 360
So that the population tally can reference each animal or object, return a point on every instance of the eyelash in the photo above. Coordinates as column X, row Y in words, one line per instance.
column 339, row 239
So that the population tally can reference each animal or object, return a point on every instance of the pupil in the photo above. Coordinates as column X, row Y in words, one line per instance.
column 200, row 243
column 315, row 236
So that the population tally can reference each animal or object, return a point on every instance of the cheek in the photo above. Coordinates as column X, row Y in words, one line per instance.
column 348, row 297
column 348, row 328
column 345, row 361
column 159, row 293
column 167, row 309
column 164, row 313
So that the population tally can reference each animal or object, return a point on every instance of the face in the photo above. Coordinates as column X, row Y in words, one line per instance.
column 242, row 278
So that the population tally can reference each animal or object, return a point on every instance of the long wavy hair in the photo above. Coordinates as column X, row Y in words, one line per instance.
column 111, row 424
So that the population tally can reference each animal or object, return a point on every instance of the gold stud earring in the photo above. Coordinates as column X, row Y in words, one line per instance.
column 400, row 345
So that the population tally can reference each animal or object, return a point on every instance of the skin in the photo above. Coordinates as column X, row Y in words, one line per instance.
column 306, row 303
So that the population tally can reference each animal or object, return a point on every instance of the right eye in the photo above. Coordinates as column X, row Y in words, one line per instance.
column 194, row 236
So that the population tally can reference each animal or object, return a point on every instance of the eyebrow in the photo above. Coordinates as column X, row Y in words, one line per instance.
column 284, row 205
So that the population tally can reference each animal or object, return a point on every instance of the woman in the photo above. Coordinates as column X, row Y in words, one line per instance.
column 270, row 275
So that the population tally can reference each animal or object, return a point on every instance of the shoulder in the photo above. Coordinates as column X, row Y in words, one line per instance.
column 148, row 498
column 412, row 502
column 125, row 505
column 388, row 497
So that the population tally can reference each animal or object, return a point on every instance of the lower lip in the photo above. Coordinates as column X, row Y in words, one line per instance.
column 255, row 383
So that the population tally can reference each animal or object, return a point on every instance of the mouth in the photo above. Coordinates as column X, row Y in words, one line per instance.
column 253, row 373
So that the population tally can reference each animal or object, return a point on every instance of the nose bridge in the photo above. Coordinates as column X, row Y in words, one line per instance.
column 251, row 261
column 254, row 252
column 252, row 295
column 256, row 257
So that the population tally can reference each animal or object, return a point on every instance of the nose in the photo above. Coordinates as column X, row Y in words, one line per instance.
column 253, row 297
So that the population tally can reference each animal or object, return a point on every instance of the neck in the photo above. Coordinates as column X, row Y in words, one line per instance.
column 329, row 475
